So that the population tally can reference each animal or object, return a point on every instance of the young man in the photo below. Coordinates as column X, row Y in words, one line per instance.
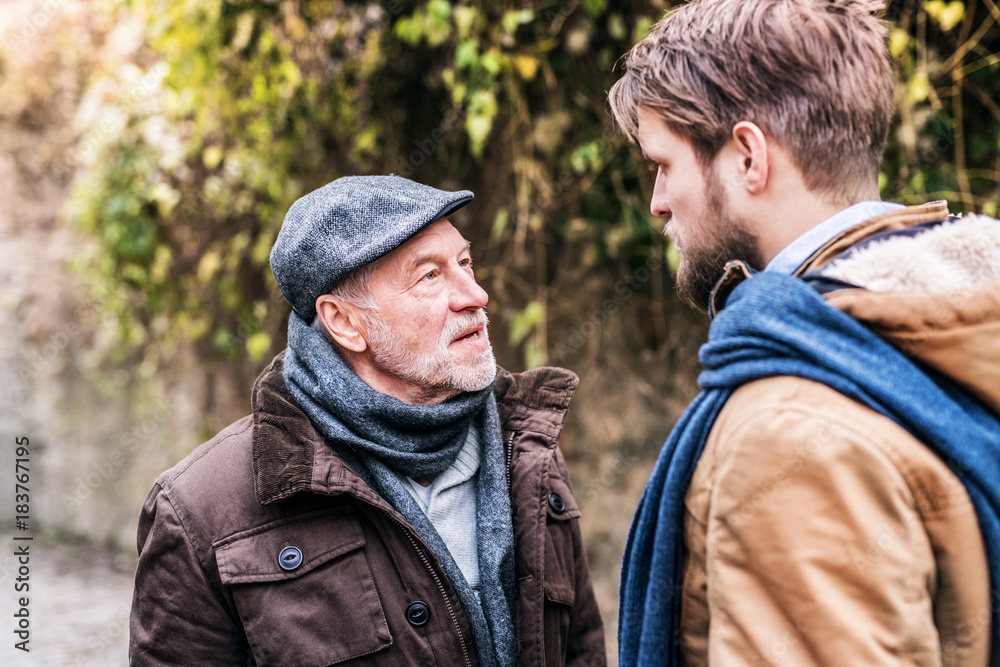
column 832, row 497
column 395, row 498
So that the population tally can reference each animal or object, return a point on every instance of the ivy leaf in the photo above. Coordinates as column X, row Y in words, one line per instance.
column 408, row 29
column 899, row 40
column 492, row 62
column 499, row 224
column 641, row 29
column 209, row 265
column 464, row 18
column 437, row 24
column 945, row 14
column 534, row 355
column 524, row 322
column 479, row 122
column 211, row 157
column 616, row 26
column 512, row 19
column 257, row 345
column 918, row 89
column 526, row 66
column 595, row 7
column 478, row 126
column 466, row 54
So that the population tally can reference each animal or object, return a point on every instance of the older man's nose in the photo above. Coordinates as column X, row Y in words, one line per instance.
column 468, row 295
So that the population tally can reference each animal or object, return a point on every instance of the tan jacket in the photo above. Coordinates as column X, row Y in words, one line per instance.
column 819, row 532
column 366, row 590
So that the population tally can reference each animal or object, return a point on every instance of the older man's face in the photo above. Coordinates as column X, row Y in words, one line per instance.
column 429, row 341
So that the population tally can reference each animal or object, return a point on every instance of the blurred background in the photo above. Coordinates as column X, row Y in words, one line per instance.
column 149, row 150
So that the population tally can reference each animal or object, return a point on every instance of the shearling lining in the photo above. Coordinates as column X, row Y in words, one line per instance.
column 960, row 254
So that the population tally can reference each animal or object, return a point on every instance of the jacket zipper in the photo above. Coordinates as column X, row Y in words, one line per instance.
column 430, row 568
column 440, row 586
column 510, row 460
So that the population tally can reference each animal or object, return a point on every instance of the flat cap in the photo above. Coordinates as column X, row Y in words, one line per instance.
column 349, row 223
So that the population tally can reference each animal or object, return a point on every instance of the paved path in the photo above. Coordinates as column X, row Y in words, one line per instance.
column 78, row 608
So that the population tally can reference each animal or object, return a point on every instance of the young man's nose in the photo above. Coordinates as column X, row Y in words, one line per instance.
column 658, row 204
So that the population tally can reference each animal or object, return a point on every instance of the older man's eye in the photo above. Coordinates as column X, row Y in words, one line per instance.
column 429, row 275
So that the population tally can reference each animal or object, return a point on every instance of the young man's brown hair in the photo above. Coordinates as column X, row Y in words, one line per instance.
column 814, row 75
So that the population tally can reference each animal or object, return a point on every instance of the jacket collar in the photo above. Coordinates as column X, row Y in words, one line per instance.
column 290, row 456
column 535, row 400
column 737, row 271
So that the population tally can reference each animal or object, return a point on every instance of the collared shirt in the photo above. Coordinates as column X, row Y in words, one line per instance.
column 450, row 504
column 798, row 251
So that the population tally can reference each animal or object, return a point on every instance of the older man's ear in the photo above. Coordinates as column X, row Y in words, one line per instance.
column 341, row 320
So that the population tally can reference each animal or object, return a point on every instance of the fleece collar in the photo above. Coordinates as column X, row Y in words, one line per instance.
column 957, row 254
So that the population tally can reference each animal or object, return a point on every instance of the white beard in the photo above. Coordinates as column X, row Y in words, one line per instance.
column 438, row 372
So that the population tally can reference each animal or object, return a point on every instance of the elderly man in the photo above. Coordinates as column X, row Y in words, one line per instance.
column 832, row 497
column 394, row 498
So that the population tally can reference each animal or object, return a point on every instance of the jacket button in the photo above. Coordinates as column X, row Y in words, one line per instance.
column 556, row 503
column 290, row 558
column 418, row 613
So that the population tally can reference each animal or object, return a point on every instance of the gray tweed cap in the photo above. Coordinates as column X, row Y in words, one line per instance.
column 349, row 223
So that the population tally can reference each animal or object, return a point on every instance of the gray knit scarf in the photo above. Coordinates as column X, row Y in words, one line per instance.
column 379, row 436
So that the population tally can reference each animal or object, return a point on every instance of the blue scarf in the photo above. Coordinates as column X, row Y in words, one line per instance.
column 775, row 325
column 379, row 436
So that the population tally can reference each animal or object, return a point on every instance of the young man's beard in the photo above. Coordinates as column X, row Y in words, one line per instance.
column 702, row 264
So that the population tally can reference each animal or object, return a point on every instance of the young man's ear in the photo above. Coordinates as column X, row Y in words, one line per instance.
column 341, row 322
column 751, row 146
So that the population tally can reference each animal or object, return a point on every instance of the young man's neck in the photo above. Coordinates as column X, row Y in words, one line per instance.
column 794, row 212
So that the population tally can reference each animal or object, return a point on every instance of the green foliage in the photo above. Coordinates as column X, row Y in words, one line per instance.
column 947, row 140
column 530, row 322
column 257, row 103
column 946, row 14
column 261, row 102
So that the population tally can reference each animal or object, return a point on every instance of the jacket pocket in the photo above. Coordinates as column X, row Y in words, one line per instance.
column 304, row 590
column 559, row 579
column 560, row 552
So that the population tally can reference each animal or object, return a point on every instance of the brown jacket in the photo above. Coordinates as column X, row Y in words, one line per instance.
column 819, row 532
column 210, row 591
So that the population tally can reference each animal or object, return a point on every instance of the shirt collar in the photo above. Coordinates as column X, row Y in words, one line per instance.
column 798, row 251
column 464, row 468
